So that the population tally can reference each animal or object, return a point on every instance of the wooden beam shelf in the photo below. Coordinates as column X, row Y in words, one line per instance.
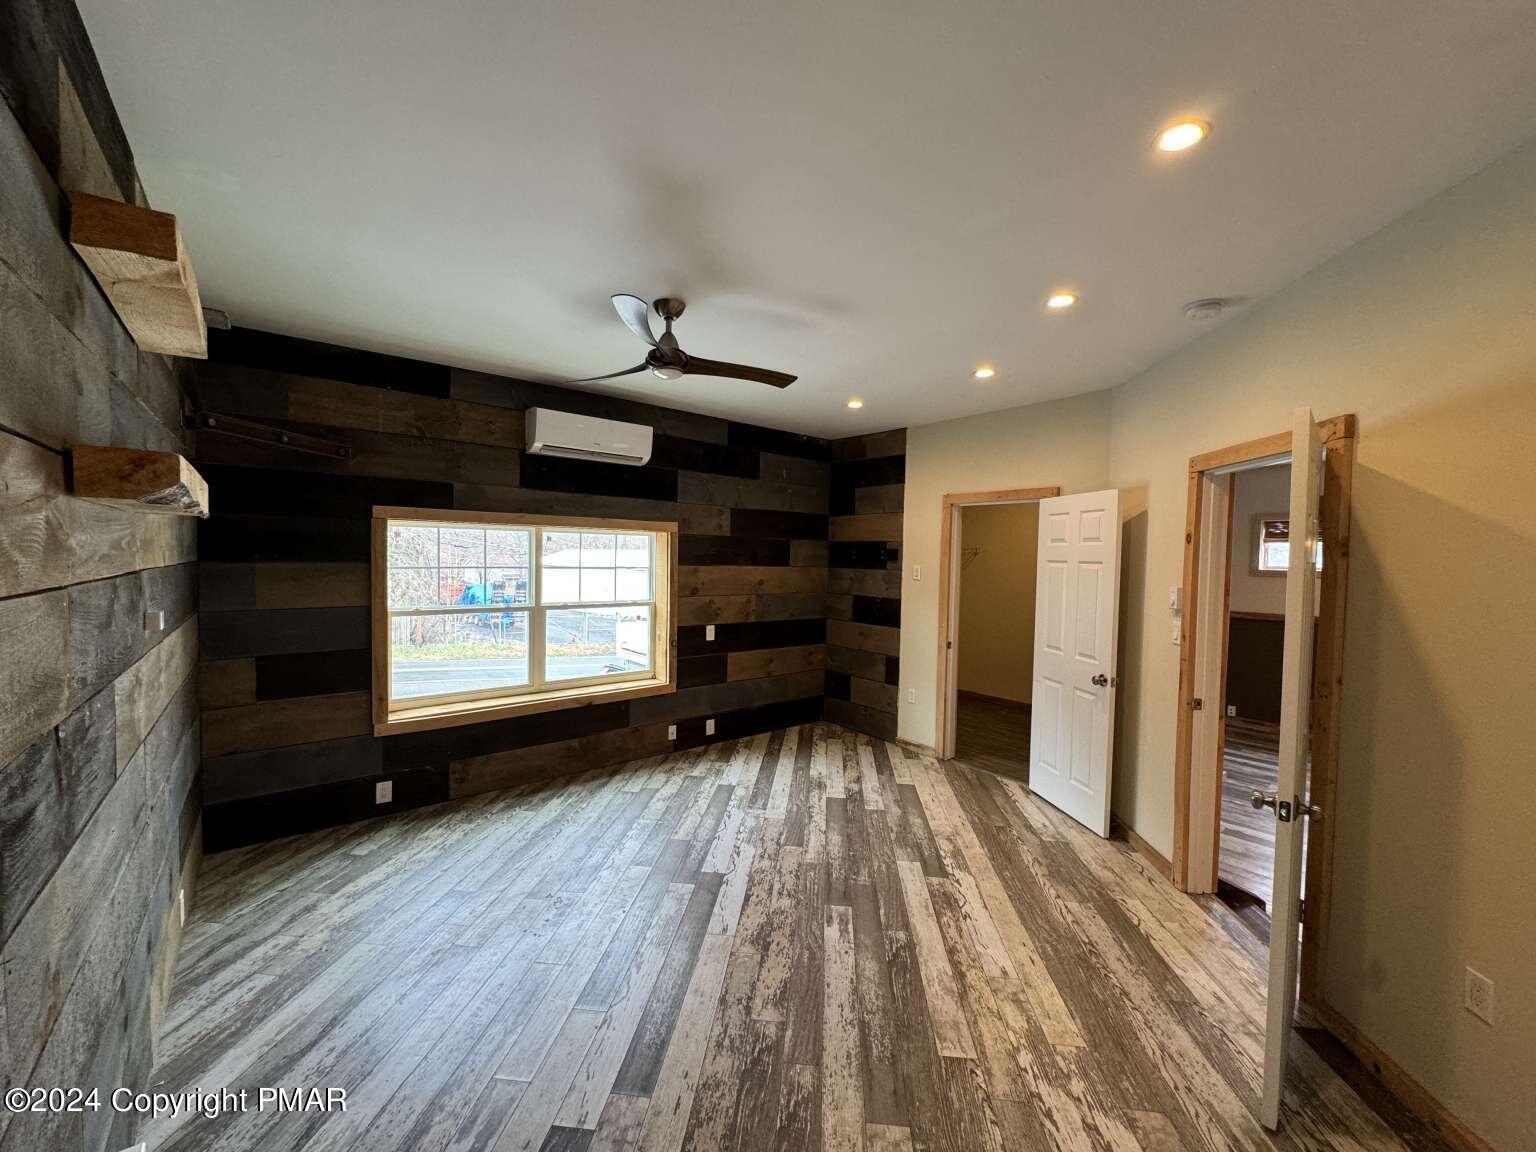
column 160, row 482
column 137, row 257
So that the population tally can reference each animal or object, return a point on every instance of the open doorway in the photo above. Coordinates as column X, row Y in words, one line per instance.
column 1221, row 760
column 1257, row 560
column 995, row 638
column 1006, row 535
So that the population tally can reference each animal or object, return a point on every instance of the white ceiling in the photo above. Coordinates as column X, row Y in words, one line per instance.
column 873, row 194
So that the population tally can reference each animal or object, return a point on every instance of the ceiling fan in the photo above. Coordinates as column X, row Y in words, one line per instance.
column 665, row 360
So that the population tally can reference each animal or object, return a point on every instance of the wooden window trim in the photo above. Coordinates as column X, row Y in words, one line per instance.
column 389, row 721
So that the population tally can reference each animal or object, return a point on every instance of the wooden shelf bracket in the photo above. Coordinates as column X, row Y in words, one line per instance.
column 161, row 482
column 137, row 257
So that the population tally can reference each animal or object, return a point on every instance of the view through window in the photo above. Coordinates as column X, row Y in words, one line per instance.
column 491, row 610
column 1273, row 534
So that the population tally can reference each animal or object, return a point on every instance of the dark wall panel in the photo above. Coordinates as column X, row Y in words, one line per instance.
column 760, row 495
column 865, row 502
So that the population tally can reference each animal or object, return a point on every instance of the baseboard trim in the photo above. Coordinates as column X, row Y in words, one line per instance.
column 1413, row 1095
column 1158, row 861
column 914, row 746
column 1001, row 701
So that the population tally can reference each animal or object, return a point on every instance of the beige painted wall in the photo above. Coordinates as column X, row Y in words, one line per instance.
column 1064, row 442
column 997, row 600
column 1426, row 330
column 1261, row 492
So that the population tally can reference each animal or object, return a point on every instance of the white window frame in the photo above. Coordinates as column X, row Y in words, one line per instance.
column 540, row 693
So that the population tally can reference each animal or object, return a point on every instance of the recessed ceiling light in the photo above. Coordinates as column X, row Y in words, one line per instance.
column 985, row 372
column 1057, row 301
column 1184, row 134
column 855, row 402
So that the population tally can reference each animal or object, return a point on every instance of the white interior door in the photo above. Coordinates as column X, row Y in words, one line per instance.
column 1077, row 619
column 1289, row 801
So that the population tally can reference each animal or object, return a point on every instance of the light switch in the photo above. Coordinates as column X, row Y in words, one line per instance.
column 1176, row 599
column 917, row 571
column 1178, row 634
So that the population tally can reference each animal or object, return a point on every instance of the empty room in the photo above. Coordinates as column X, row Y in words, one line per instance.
column 767, row 578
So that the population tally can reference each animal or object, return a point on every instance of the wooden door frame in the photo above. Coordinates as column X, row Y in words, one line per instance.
column 1338, row 436
column 949, row 601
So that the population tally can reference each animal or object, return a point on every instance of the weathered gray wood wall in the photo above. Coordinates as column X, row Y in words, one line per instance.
column 99, row 804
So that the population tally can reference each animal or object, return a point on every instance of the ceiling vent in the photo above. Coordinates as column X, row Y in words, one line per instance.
column 552, row 433
column 1208, row 309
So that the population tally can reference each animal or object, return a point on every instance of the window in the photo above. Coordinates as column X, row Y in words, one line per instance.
column 1272, row 538
column 483, row 615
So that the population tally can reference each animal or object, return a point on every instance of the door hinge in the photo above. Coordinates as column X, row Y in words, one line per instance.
column 1197, row 704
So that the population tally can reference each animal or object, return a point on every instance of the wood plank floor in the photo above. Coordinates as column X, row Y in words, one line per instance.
column 992, row 735
column 1250, row 761
column 805, row 940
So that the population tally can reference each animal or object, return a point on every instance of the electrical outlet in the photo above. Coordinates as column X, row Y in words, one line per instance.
column 384, row 792
column 911, row 695
column 709, row 727
column 709, row 631
column 671, row 731
column 917, row 571
column 1479, row 996
column 1231, row 709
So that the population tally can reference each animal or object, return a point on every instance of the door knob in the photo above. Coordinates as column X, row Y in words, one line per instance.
column 1262, row 799
column 1101, row 680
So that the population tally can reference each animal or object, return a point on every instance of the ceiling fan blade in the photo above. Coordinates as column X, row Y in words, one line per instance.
column 635, row 314
column 640, row 367
column 698, row 366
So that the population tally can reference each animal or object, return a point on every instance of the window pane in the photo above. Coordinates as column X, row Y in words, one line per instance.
column 597, row 550
column 509, row 586
column 411, row 546
column 457, row 652
column 634, row 551
column 507, row 547
column 596, row 584
column 461, row 548
column 633, row 584
column 561, row 585
column 583, row 642
column 412, row 588
column 562, row 549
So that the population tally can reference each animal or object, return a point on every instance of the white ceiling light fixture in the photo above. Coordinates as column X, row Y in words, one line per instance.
column 1061, row 299
column 855, row 402
column 1182, row 135
column 985, row 372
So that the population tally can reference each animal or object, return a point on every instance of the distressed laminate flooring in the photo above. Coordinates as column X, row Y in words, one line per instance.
column 993, row 735
column 802, row 940
column 1250, row 762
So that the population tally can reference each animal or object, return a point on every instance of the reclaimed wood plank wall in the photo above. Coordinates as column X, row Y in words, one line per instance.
column 864, row 582
column 284, row 577
column 99, row 800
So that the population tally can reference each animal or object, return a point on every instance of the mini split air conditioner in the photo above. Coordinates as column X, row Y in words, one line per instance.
column 553, row 433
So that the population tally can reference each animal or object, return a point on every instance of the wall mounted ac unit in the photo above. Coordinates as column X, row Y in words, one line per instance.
column 552, row 433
